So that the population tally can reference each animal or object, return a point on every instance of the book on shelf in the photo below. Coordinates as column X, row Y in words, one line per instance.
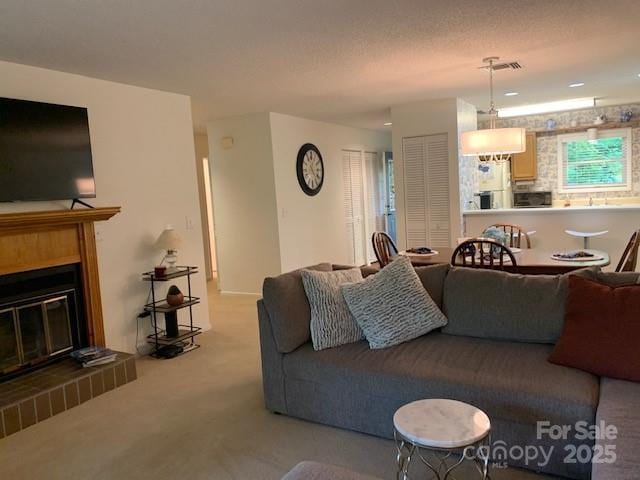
column 93, row 356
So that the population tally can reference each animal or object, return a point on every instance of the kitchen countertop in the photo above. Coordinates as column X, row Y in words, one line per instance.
column 499, row 211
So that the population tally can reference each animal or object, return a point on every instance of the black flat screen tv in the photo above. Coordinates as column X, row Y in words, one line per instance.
column 45, row 152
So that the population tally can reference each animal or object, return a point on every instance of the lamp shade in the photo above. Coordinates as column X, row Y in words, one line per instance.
column 494, row 141
column 169, row 239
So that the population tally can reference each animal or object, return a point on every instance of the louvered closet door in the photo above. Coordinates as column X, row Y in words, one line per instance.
column 353, row 200
column 374, row 174
column 438, row 191
column 426, row 172
column 414, row 152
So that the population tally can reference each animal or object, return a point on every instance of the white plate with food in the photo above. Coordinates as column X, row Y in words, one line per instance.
column 577, row 256
column 421, row 252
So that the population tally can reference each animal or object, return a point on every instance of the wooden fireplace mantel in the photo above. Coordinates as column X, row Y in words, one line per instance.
column 53, row 218
column 35, row 240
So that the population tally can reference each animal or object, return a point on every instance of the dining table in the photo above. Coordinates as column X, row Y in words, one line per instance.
column 528, row 261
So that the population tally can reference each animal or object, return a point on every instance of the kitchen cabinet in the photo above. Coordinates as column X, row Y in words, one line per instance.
column 524, row 166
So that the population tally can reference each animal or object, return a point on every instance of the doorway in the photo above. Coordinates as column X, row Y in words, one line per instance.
column 209, row 206
column 203, row 171
column 390, row 197
column 369, row 201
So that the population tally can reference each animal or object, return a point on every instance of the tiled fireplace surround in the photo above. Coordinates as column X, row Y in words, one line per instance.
column 33, row 241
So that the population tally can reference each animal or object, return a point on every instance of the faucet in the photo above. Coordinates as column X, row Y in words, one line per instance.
column 590, row 201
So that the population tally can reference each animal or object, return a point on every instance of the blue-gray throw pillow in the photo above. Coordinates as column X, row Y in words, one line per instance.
column 392, row 306
column 331, row 322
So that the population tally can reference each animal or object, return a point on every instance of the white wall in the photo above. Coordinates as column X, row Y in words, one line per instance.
column 419, row 119
column 312, row 229
column 244, row 202
column 143, row 151
column 264, row 223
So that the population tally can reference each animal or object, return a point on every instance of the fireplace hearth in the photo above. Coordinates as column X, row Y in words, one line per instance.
column 40, row 318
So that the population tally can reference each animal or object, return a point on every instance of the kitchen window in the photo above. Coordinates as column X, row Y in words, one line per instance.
column 602, row 164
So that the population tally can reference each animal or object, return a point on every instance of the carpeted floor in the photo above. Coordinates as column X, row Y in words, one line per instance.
column 199, row 416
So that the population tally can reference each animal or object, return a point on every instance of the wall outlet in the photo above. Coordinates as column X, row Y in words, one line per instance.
column 188, row 221
column 98, row 234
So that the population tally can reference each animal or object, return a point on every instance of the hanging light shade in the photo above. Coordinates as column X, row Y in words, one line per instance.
column 493, row 143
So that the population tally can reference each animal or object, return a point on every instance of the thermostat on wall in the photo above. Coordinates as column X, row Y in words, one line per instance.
column 227, row 143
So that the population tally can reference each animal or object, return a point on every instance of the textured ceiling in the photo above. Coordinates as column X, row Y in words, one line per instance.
column 340, row 60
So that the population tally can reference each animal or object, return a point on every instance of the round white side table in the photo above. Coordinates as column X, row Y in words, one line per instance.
column 445, row 428
column 585, row 236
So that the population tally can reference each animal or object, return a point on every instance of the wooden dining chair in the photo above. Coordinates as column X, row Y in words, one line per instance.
column 482, row 253
column 629, row 258
column 383, row 247
column 515, row 233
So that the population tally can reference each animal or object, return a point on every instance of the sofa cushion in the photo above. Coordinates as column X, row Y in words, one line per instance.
column 493, row 304
column 601, row 330
column 288, row 308
column 392, row 306
column 512, row 381
column 618, row 278
column 331, row 321
column 620, row 407
column 432, row 278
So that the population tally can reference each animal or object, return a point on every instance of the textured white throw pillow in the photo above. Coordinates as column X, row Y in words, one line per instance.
column 392, row 306
column 331, row 322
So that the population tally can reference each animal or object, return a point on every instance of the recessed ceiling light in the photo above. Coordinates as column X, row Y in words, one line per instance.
column 511, row 94
column 388, row 124
column 576, row 84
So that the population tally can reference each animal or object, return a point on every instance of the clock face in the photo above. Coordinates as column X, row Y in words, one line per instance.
column 310, row 169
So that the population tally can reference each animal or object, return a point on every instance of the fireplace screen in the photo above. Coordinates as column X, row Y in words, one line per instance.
column 35, row 332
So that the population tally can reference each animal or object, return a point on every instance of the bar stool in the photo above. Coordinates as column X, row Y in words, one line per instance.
column 586, row 236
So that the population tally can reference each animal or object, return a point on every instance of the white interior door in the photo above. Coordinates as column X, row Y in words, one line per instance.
column 426, row 172
column 354, row 209
column 375, row 205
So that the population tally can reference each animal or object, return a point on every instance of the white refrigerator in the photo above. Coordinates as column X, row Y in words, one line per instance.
column 496, row 177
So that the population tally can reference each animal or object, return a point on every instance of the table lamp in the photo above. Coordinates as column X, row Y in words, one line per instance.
column 170, row 240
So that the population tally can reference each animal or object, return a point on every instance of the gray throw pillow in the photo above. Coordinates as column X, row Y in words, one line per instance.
column 331, row 322
column 392, row 306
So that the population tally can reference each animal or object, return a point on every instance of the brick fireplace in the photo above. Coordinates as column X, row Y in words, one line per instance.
column 50, row 305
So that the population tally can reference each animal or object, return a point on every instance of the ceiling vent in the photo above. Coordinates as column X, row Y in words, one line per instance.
column 515, row 65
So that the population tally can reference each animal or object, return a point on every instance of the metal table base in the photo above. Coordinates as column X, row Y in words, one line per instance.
column 478, row 453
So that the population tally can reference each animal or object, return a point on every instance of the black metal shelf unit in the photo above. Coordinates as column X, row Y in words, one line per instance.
column 185, row 338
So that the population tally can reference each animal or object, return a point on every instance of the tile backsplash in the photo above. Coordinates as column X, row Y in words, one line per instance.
column 547, row 145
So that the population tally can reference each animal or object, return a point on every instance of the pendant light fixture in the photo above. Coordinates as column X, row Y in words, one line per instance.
column 496, row 144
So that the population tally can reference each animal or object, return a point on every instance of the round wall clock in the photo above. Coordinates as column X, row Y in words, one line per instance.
column 310, row 169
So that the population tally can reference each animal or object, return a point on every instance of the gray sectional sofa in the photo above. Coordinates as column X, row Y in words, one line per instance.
column 492, row 354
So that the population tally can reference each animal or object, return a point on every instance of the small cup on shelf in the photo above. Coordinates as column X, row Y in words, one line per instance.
column 160, row 271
